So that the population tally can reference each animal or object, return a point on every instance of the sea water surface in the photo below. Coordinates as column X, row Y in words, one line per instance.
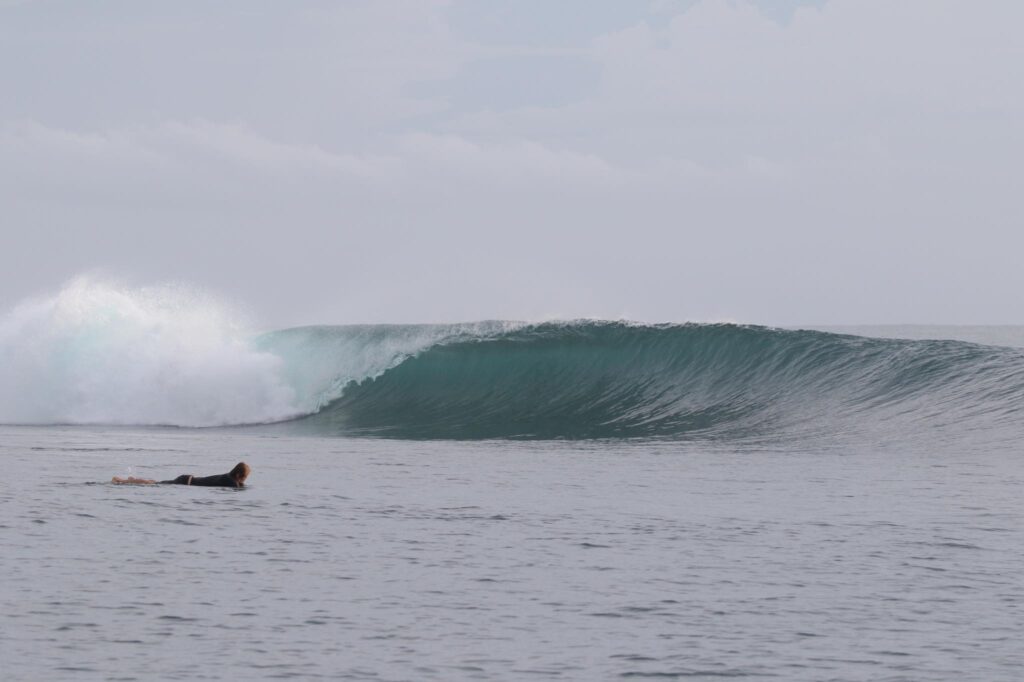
column 570, row 500
column 401, row 560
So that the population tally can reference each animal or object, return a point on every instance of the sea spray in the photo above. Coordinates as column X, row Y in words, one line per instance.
column 98, row 352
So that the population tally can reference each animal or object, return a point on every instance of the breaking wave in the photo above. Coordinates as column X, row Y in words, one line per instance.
column 106, row 355
column 592, row 379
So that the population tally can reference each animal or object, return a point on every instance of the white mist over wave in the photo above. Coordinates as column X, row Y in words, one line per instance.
column 97, row 352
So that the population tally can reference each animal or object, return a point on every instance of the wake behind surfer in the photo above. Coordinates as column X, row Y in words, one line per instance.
column 233, row 479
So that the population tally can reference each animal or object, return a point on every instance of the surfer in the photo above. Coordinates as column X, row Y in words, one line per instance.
column 233, row 479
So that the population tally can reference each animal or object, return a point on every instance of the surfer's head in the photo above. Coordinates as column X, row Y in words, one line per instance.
column 240, row 473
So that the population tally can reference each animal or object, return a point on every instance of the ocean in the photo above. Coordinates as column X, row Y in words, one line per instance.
column 506, row 501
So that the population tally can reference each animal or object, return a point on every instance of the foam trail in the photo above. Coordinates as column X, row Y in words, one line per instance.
column 100, row 353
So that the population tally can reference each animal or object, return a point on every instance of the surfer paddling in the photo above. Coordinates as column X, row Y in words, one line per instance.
column 233, row 479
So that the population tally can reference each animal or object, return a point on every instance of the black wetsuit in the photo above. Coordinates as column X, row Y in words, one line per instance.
column 220, row 480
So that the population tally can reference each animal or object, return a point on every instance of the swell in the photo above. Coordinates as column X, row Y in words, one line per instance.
column 98, row 353
column 595, row 380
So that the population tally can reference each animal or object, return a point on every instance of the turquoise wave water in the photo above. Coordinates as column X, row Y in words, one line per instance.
column 597, row 380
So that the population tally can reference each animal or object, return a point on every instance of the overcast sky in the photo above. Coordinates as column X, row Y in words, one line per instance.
column 781, row 162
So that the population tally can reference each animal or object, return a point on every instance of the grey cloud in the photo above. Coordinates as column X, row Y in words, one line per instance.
column 853, row 163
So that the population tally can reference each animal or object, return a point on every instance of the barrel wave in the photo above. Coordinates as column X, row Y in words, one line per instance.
column 602, row 380
column 97, row 353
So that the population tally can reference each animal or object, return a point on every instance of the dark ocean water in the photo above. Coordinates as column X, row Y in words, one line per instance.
column 582, row 500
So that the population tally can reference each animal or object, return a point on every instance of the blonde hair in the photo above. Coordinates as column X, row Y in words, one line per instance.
column 240, row 472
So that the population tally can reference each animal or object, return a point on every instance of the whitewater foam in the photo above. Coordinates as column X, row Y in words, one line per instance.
column 97, row 352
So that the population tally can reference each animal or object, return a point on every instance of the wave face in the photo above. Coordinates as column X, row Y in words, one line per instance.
column 100, row 354
column 615, row 380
